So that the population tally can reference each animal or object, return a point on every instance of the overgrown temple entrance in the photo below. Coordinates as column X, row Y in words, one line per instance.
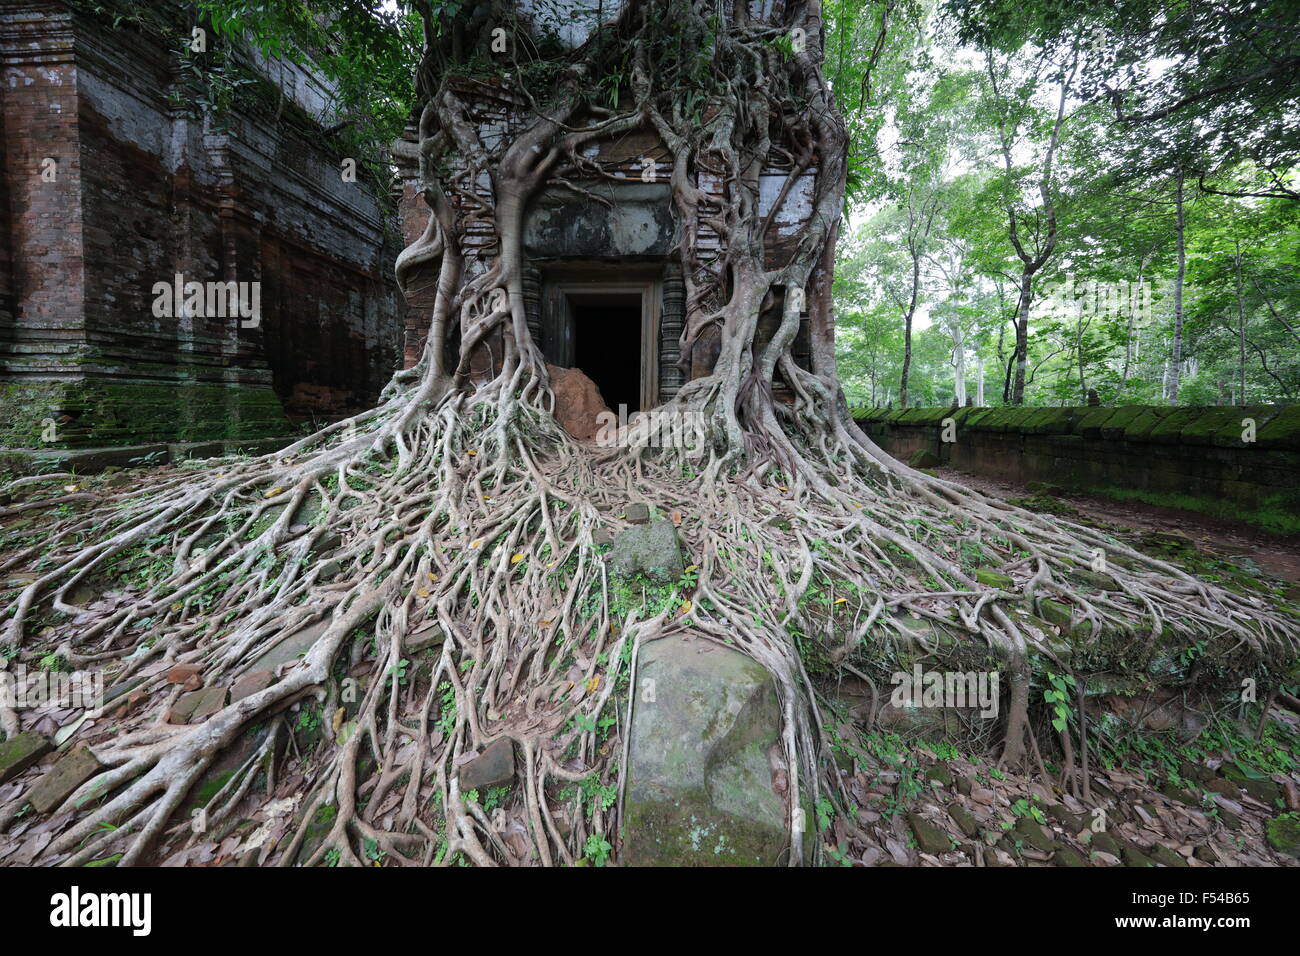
column 609, row 330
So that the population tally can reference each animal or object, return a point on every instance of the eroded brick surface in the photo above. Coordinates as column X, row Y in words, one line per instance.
column 134, row 193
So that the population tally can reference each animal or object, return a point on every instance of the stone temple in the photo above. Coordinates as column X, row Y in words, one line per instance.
column 603, row 283
column 108, row 188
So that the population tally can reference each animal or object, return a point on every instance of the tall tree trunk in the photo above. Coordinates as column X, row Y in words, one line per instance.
column 1021, row 355
column 907, row 327
column 1176, row 353
column 1241, row 328
column 1134, row 305
column 959, row 365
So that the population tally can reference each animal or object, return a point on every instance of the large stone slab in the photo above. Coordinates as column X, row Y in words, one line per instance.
column 294, row 645
column 494, row 767
column 58, row 783
column 700, row 781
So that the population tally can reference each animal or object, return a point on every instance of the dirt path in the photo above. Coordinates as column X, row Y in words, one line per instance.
column 1276, row 555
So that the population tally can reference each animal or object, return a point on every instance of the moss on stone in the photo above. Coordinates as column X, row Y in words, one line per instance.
column 96, row 412
column 1282, row 430
column 1169, row 430
column 1048, row 421
column 994, row 579
column 25, row 407
column 1226, row 426
column 1140, row 426
column 1283, row 833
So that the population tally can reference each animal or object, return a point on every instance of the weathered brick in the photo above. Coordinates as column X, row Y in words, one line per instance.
column 58, row 783
column 20, row 752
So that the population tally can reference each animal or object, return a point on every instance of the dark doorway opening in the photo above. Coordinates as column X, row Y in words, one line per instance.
column 607, row 344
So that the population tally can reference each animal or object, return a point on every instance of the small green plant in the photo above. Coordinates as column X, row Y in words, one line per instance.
column 825, row 814
column 447, row 708
column 370, row 849
column 1057, row 696
column 597, row 849
column 1023, row 808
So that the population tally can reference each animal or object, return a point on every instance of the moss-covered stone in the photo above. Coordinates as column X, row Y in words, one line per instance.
column 1048, row 421
column 1139, row 427
column 1169, row 430
column 20, row 752
column 1164, row 856
column 1283, row 833
column 1032, row 832
column 994, row 579
column 1282, row 430
column 965, row 821
column 929, row 837
column 1132, row 856
column 1225, row 426
column 699, row 782
column 1103, row 842
column 1054, row 612
column 1068, row 856
column 651, row 549
column 1090, row 424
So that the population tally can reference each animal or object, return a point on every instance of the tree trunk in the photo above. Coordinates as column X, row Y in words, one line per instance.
column 908, row 313
column 1241, row 328
column 1176, row 352
column 1021, row 353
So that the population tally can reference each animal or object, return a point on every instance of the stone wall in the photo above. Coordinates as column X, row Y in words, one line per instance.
column 1209, row 459
column 143, row 193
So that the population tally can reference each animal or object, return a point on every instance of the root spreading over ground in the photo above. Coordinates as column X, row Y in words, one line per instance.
column 477, row 518
column 459, row 516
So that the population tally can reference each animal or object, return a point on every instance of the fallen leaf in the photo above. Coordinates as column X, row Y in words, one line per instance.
column 593, row 684
column 273, row 492
column 516, row 559
column 686, row 607
column 337, row 722
column 423, row 592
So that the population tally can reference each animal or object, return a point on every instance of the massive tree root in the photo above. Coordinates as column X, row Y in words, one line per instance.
column 458, row 515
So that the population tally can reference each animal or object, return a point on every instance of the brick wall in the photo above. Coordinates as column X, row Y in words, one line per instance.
column 1189, row 457
column 144, row 193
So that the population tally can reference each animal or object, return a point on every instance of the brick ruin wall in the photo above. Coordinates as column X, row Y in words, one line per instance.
column 142, row 193
column 1189, row 457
